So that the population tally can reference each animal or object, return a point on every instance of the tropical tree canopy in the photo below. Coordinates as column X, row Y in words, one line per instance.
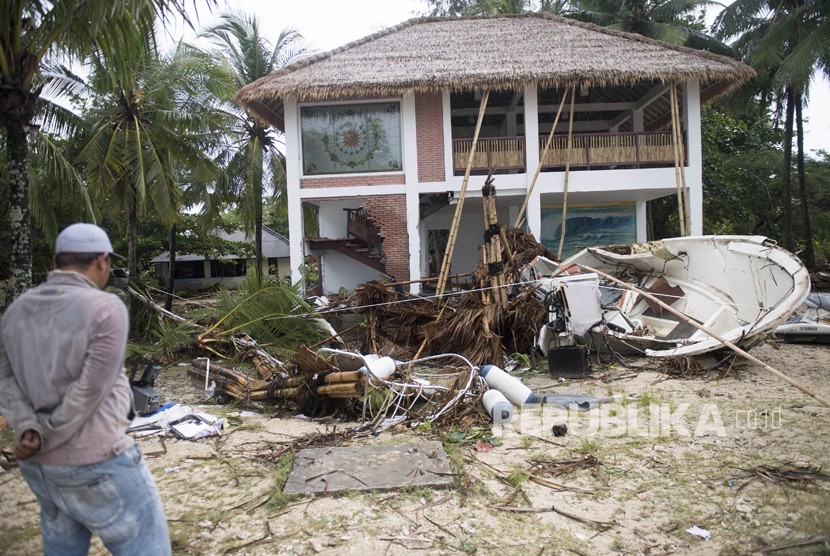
column 33, row 32
column 253, row 163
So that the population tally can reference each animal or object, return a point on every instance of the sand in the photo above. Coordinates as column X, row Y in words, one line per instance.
column 673, row 453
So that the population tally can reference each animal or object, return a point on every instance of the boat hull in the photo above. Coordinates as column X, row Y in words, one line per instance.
column 739, row 287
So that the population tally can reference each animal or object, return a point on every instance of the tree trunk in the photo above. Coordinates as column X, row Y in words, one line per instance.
column 171, row 274
column 132, row 253
column 257, row 189
column 809, row 254
column 789, row 243
column 20, row 225
column 258, row 238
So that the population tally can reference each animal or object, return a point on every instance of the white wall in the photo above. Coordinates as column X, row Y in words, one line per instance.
column 341, row 271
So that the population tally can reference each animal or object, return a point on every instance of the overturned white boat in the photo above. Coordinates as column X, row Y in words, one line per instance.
column 739, row 287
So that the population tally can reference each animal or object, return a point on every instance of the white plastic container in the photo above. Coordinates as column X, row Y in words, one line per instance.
column 516, row 393
column 380, row 367
column 498, row 408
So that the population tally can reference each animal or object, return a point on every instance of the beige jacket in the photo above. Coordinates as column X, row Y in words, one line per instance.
column 61, row 370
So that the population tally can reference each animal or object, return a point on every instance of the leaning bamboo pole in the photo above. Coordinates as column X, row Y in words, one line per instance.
column 450, row 249
column 711, row 333
column 567, row 175
column 521, row 217
column 681, row 151
column 681, row 211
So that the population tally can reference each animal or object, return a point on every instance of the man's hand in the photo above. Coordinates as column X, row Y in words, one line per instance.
column 29, row 444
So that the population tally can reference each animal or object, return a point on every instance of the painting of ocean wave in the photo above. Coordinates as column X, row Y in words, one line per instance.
column 589, row 226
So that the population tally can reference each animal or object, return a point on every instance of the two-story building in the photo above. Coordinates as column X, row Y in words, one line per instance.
column 378, row 135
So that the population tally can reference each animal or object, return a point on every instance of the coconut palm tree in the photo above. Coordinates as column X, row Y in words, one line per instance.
column 787, row 42
column 150, row 122
column 253, row 162
column 672, row 21
column 493, row 7
column 31, row 33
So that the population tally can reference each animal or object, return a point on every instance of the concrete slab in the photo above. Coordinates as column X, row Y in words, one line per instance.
column 382, row 467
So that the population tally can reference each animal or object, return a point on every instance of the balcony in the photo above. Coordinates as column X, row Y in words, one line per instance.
column 589, row 151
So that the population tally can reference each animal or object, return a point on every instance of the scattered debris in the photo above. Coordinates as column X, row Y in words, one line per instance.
column 181, row 420
column 810, row 542
column 615, row 298
column 563, row 467
column 478, row 324
column 793, row 474
column 699, row 532
column 559, row 429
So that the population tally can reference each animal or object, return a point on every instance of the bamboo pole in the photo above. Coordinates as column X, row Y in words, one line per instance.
column 450, row 249
column 342, row 376
column 492, row 247
column 285, row 393
column 711, row 333
column 345, row 388
column 681, row 212
column 521, row 217
column 567, row 175
column 682, row 157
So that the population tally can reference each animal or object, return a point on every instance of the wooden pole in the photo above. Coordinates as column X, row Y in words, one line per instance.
column 448, row 252
column 567, row 175
column 492, row 247
column 521, row 217
column 682, row 157
column 711, row 333
column 681, row 212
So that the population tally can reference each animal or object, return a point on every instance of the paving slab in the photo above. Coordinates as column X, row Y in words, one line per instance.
column 378, row 467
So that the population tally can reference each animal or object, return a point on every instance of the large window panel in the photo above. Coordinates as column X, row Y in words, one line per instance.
column 351, row 138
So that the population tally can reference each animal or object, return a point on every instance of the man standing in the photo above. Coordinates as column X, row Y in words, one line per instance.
column 63, row 391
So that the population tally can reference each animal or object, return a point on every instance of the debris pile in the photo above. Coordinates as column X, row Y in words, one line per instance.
column 472, row 323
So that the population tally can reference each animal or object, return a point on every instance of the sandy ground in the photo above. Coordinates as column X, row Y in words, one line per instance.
column 672, row 454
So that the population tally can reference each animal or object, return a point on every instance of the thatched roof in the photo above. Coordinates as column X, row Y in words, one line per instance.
column 495, row 52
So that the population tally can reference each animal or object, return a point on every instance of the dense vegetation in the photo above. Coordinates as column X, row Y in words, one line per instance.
column 153, row 148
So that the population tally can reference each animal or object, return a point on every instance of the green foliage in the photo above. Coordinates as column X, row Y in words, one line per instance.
column 741, row 178
column 468, row 437
column 589, row 447
column 275, row 314
column 279, row 499
column 518, row 476
column 674, row 21
column 492, row 7
column 252, row 164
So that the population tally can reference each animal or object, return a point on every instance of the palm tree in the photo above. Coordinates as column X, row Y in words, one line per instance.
column 150, row 121
column 253, row 163
column 787, row 42
column 492, row 7
column 670, row 21
column 32, row 32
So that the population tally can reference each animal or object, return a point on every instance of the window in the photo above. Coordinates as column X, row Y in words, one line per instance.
column 351, row 138
column 189, row 269
column 228, row 270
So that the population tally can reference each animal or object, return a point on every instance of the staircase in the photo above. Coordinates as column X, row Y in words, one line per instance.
column 363, row 242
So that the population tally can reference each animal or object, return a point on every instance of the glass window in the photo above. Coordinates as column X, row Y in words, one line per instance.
column 351, row 138
column 189, row 269
column 220, row 269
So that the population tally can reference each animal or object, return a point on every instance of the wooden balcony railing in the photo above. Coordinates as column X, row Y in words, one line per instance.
column 595, row 150
column 589, row 150
column 503, row 153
